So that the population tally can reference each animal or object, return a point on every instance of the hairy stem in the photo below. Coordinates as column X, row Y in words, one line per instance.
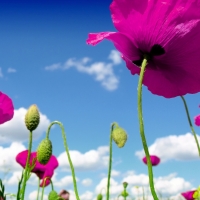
column 26, row 168
column 110, row 161
column 142, row 134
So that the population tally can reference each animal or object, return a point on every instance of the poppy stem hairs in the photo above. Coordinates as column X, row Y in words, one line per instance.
column 67, row 151
column 190, row 123
column 142, row 134
column 110, row 161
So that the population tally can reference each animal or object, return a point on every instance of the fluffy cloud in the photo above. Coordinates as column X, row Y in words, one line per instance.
column 101, row 71
column 11, row 70
column 167, row 186
column 91, row 160
column 179, row 147
column 15, row 129
column 8, row 154
column 86, row 182
column 33, row 196
column 63, row 182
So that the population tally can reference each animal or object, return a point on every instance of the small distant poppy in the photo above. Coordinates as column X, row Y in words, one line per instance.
column 155, row 160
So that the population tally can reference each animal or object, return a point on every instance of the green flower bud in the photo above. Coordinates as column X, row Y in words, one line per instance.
column 53, row 195
column 124, row 193
column 125, row 184
column 99, row 197
column 32, row 118
column 44, row 151
column 119, row 136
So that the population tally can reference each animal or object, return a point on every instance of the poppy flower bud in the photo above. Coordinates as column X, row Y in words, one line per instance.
column 119, row 136
column 44, row 151
column 99, row 197
column 125, row 184
column 32, row 118
column 53, row 195
column 124, row 193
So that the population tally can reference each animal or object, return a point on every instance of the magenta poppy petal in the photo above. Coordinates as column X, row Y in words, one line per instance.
column 154, row 160
column 121, row 42
column 188, row 195
column 121, row 10
column 42, row 171
column 197, row 120
column 6, row 108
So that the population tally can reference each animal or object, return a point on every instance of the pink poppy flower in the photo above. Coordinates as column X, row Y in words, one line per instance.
column 168, row 32
column 188, row 195
column 154, row 160
column 197, row 120
column 6, row 108
column 42, row 171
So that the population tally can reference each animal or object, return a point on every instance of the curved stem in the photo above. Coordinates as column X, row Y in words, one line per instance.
column 142, row 134
column 26, row 168
column 67, row 151
column 190, row 123
column 110, row 161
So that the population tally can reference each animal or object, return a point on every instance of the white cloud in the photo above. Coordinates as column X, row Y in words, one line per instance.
column 64, row 182
column 179, row 147
column 7, row 155
column 115, row 57
column 167, row 186
column 101, row 71
column 53, row 67
column 15, row 129
column 11, row 70
column 87, row 195
column 91, row 160
column 115, row 173
column 86, row 182
column 33, row 196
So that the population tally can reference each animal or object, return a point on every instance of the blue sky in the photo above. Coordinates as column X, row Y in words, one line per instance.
column 45, row 61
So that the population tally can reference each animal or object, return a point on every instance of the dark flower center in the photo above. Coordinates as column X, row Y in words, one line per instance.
column 156, row 50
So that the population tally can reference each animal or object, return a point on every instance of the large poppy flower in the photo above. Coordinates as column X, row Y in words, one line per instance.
column 155, row 160
column 42, row 171
column 168, row 33
column 6, row 108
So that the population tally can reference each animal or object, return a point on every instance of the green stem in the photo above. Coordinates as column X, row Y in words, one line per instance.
column 125, row 193
column 142, row 134
column 110, row 161
column 26, row 168
column 190, row 123
column 38, row 188
column 67, row 151
column 44, row 185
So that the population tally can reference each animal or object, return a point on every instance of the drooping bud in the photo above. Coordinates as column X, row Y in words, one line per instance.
column 32, row 118
column 119, row 136
column 53, row 195
column 125, row 184
column 44, row 151
column 99, row 197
